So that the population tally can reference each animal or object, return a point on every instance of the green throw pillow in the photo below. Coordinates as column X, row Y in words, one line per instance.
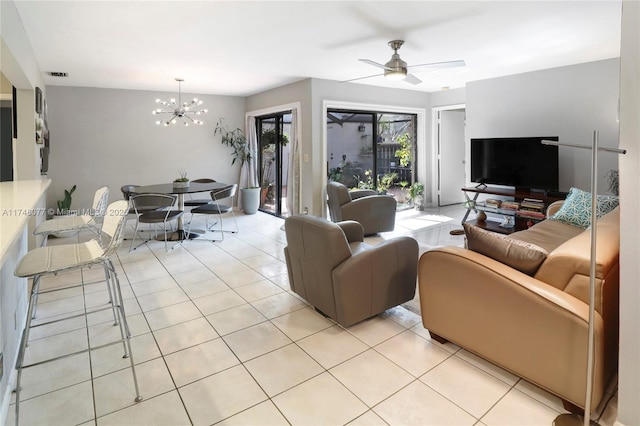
column 576, row 209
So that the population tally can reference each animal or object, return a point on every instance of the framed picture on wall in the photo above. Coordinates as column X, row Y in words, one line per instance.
column 38, row 100
column 14, row 112
column 39, row 130
column 44, row 113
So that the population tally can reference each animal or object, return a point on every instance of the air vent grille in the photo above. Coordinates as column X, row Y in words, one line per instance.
column 58, row 74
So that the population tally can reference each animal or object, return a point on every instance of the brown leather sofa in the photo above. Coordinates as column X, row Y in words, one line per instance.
column 532, row 325
column 376, row 213
column 346, row 279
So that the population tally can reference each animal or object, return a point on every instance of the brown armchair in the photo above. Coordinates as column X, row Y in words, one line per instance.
column 331, row 267
column 376, row 213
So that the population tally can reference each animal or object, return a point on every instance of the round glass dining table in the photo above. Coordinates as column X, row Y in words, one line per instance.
column 168, row 188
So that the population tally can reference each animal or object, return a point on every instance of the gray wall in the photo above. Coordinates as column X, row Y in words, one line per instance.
column 109, row 137
column 569, row 102
column 311, row 93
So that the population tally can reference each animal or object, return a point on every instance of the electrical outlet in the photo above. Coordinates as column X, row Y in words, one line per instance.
column 306, row 210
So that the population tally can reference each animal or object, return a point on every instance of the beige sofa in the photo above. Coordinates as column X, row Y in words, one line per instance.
column 534, row 325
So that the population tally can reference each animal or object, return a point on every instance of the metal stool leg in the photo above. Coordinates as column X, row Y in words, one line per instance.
column 127, row 332
column 24, row 341
column 111, row 300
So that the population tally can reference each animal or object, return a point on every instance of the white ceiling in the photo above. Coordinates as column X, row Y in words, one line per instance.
column 242, row 48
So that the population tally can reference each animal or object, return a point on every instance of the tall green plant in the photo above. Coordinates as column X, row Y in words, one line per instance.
column 236, row 140
column 404, row 153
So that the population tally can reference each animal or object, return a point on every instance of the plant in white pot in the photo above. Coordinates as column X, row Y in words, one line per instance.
column 182, row 181
column 241, row 152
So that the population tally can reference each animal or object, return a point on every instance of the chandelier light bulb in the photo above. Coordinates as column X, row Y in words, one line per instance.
column 184, row 110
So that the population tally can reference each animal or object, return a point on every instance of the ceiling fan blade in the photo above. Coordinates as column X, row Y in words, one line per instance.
column 447, row 64
column 410, row 78
column 375, row 64
column 361, row 78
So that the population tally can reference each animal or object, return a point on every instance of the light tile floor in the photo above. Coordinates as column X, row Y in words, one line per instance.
column 220, row 339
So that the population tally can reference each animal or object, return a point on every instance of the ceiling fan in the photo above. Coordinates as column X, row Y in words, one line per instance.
column 397, row 69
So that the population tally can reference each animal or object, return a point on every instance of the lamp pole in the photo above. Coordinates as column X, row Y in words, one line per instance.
column 571, row 419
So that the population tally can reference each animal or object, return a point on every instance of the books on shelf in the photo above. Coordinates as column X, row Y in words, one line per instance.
column 492, row 202
column 532, row 204
column 510, row 205
column 530, row 214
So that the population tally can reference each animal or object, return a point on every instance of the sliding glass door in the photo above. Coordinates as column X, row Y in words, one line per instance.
column 372, row 150
column 273, row 143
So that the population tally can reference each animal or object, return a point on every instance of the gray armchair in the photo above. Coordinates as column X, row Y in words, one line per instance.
column 331, row 267
column 376, row 213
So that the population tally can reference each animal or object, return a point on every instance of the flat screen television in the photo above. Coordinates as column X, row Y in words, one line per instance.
column 520, row 162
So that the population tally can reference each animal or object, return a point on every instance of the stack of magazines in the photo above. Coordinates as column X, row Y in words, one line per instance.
column 531, row 208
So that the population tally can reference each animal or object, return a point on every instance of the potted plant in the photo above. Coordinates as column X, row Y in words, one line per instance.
column 416, row 194
column 64, row 209
column 182, row 181
column 241, row 152
column 64, row 205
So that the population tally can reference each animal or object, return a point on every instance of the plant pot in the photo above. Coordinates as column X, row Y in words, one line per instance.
column 418, row 202
column 180, row 184
column 250, row 200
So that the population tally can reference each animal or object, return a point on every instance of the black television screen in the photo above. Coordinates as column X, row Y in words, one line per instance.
column 520, row 162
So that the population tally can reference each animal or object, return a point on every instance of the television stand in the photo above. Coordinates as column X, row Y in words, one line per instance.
column 509, row 215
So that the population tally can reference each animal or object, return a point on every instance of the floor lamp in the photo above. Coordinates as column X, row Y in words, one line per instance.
column 574, row 419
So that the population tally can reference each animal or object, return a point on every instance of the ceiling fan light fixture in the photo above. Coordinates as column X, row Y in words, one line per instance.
column 395, row 75
column 396, row 68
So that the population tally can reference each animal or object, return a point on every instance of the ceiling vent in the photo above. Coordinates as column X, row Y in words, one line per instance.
column 58, row 74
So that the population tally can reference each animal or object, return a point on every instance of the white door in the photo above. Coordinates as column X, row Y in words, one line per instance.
column 451, row 164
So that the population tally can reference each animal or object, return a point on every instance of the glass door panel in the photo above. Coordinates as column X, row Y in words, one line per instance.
column 273, row 142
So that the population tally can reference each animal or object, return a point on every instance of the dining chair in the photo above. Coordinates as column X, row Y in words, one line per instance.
column 73, row 224
column 194, row 202
column 216, row 208
column 52, row 260
column 154, row 209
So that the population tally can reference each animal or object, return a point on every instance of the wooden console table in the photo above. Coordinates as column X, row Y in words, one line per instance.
column 472, row 204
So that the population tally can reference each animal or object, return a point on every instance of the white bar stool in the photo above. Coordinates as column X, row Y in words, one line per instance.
column 50, row 260
column 74, row 224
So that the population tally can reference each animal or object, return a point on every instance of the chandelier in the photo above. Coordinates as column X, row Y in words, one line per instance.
column 182, row 110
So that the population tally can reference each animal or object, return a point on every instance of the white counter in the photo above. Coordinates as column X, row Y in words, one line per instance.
column 19, row 202
column 22, row 205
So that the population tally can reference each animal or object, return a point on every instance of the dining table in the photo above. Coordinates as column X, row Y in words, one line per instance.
column 168, row 188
